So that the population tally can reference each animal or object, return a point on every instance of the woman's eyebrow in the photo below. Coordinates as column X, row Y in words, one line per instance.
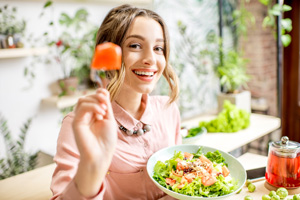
column 136, row 36
column 142, row 38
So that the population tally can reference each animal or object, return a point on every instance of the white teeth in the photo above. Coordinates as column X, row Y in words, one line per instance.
column 144, row 73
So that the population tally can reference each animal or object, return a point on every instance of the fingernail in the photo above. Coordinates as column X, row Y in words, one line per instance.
column 99, row 117
column 104, row 106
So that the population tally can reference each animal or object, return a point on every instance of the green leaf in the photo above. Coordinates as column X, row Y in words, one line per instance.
column 25, row 71
column 65, row 19
column 287, row 24
column 286, row 8
column 267, row 22
column 32, row 74
column 286, row 40
column 275, row 12
column 51, row 43
column 101, row 74
column 63, row 93
column 24, row 131
column 72, row 88
column 265, row 2
column 283, row 31
column 47, row 4
column 62, row 84
column 81, row 14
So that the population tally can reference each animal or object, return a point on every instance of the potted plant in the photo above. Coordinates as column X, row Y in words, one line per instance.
column 17, row 160
column 233, row 80
column 73, row 49
column 11, row 28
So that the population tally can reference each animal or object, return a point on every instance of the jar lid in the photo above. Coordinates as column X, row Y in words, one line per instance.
column 286, row 146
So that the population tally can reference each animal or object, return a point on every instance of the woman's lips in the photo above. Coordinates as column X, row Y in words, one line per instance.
column 145, row 74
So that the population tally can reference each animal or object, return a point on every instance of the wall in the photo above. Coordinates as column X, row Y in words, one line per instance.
column 17, row 104
column 260, row 49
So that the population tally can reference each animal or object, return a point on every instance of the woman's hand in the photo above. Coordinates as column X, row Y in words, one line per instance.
column 95, row 132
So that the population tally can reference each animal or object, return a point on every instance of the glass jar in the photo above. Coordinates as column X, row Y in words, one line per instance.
column 283, row 167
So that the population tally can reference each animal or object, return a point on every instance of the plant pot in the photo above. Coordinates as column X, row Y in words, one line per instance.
column 68, row 85
column 3, row 44
column 242, row 100
column 10, row 41
column 17, row 40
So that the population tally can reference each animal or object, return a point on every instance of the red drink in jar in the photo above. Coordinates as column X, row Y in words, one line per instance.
column 283, row 169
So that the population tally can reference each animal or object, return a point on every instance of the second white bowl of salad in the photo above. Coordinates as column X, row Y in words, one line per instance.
column 191, row 172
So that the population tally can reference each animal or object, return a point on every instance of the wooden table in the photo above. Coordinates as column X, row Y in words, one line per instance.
column 256, row 195
column 32, row 185
column 260, row 125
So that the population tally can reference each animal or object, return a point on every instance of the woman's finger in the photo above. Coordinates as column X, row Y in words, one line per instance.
column 88, row 109
column 97, row 99
column 110, row 114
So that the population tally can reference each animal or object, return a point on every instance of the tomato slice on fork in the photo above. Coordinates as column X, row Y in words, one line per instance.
column 107, row 56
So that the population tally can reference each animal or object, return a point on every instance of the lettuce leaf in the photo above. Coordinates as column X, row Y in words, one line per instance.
column 216, row 157
column 198, row 153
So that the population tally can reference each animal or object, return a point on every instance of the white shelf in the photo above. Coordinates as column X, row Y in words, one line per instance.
column 142, row 2
column 22, row 52
column 65, row 101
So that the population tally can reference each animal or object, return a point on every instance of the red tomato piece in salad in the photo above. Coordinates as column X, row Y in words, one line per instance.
column 170, row 181
column 208, row 180
column 189, row 177
column 182, row 165
column 177, row 173
column 188, row 156
column 205, row 160
column 225, row 171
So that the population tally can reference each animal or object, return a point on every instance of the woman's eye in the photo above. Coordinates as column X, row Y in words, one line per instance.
column 159, row 49
column 135, row 46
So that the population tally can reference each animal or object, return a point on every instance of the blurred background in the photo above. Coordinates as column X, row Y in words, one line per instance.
column 217, row 47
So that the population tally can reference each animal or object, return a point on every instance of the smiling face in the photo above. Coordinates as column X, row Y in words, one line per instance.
column 143, row 55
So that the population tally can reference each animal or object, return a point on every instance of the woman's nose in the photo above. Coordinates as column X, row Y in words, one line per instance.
column 149, row 57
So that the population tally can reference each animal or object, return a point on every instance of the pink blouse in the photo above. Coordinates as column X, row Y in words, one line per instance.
column 127, row 177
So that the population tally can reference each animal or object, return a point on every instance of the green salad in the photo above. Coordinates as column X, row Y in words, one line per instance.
column 196, row 174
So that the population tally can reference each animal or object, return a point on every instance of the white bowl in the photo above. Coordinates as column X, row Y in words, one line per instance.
column 237, row 170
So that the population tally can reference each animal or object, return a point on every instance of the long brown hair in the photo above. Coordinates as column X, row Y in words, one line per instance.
column 114, row 28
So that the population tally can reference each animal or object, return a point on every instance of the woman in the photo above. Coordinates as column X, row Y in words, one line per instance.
column 104, row 145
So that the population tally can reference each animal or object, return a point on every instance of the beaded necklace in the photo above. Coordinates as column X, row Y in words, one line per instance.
column 140, row 131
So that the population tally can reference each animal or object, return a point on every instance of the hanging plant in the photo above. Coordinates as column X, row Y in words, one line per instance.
column 275, row 10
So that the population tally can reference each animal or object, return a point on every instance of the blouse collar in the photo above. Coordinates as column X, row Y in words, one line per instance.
column 129, row 122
